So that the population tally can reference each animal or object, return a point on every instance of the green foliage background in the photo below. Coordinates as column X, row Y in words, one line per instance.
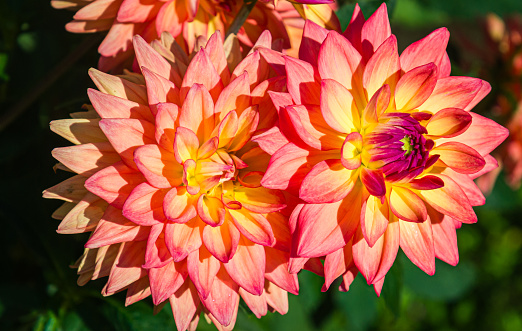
column 38, row 290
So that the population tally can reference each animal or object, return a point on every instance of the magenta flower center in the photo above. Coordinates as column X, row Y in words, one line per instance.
column 398, row 146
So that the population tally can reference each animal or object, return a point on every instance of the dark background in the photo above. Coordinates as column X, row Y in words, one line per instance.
column 43, row 76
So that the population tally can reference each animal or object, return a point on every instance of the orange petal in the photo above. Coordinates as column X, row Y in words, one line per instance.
column 450, row 200
column 202, row 268
column 247, row 267
column 415, row 87
column 222, row 240
column 449, row 123
column 211, row 210
column 383, row 67
column 328, row 181
column 202, row 71
column 144, row 206
column 186, row 145
column 181, row 239
column 197, row 112
column 336, row 106
column 374, row 219
column 253, row 226
column 86, row 159
column 114, row 183
column 260, row 200
column 417, row 244
column 407, row 205
column 460, row 157
column 179, row 205
column 339, row 61
column 184, row 304
column 126, row 135
column 159, row 166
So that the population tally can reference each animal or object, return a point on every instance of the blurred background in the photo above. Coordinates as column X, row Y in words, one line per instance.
column 43, row 76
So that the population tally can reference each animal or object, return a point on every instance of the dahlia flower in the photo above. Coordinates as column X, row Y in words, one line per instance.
column 168, row 181
column 185, row 20
column 381, row 149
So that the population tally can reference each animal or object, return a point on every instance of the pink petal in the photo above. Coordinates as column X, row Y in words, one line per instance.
column 431, row 48
column 340, row 61
column 375, row 31
column 114, row 184
column 324, row 228
column 197, row 112
column 383, row 67
column 374, row 219
column 483, row 135
column 181, row 239
column 184, row 304
column 222, row 240
column 415, row 86
column 302, row 85
column 165, row 281
column 202, row 268
column 460, row 157
column 336, row 106
column 126, row 135
column 223, row 300
column 202, row 71
column 159, row 166
column 417, row 244
column 86, row 159
column 328, row 181
column 449, row 122
column 450, row 200
column 313, row 37
column 144, row 206
column 247, row 267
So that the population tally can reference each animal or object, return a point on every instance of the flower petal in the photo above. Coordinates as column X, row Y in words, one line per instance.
column 328, row 181
column 247, row 267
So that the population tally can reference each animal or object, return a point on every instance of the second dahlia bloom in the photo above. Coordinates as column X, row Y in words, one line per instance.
column 168, row 180
column 186, row 20
column 381, row 148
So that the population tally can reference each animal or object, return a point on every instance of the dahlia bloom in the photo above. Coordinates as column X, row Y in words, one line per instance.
column 168, row 181
column 381, row 149
column 185, row 20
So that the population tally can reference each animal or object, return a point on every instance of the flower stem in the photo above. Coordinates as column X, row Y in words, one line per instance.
column 241, row 17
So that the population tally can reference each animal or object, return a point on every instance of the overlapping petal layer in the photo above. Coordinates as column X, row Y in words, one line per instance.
column 189, row 21
column 168, row 181
column 380, row 147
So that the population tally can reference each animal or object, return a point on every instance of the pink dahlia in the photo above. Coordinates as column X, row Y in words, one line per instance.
column 168, row 181
column 186, row 20
column 381, row 148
